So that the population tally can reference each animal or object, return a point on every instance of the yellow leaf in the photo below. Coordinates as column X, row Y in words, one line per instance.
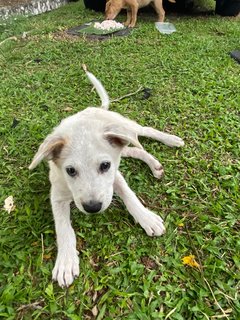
column 190, row 261
column 47, row 256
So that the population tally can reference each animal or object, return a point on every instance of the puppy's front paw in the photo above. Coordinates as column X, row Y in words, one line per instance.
column 66, row 268
column 151, row 223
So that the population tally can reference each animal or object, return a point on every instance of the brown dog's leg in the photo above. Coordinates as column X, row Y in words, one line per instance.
column 159, row 9
column 129, row 17
column 133, row 5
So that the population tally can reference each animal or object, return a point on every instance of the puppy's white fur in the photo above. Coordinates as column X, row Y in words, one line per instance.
column 84, row 142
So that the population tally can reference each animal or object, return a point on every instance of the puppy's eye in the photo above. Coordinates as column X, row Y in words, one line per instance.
column 104, row 166
column 72, row 172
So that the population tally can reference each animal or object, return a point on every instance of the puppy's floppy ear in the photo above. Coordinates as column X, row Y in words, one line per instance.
column 120, row 136
column 50, row 149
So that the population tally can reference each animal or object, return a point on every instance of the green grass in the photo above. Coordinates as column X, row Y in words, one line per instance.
column 125, row 274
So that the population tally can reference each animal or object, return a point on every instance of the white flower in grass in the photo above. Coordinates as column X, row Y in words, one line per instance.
column 9, row 204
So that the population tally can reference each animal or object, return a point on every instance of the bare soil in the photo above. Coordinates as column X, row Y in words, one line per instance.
column 13, row 3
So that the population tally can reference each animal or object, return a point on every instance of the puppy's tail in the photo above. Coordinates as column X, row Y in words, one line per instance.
column 99, row 88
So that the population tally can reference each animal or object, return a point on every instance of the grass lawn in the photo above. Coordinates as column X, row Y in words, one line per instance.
column 195, row 93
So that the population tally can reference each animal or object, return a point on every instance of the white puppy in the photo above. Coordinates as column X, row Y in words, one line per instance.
column 84, row 153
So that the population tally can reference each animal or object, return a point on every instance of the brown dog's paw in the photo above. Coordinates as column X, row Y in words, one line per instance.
column 126, row 24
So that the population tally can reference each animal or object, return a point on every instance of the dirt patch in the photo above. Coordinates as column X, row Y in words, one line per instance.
column 13, row 3
column 55, row 36
column 63, row 36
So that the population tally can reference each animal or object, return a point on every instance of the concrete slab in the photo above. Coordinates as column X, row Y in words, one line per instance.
column 32, row 7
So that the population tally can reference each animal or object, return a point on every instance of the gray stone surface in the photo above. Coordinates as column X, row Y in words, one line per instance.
column 34, row 7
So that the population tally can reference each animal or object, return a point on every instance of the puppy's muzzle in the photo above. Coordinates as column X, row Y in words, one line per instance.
column 92, row 206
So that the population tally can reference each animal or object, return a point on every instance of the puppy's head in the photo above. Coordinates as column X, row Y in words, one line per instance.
column 112, row 9
column 84, row 158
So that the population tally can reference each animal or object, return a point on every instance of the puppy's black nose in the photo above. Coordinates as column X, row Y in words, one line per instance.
column 92, row 206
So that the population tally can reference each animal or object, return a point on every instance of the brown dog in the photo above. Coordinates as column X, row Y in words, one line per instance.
column 113, row 7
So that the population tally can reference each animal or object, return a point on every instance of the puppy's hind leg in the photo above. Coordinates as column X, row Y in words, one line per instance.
column 149, row 221
column 143, row 155
column 166, row 138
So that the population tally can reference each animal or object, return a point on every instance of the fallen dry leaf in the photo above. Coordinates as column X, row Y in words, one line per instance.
column 68, row 109
column 95, row 295
column 95, row 311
